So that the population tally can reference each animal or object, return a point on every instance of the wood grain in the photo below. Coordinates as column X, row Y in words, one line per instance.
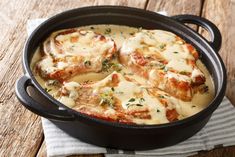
column 222, row 13
column 176, row 7
column 20, row 131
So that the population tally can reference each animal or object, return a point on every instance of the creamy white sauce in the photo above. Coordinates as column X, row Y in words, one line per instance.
column 119, row 34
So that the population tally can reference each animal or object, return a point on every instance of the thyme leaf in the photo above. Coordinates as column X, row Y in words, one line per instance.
column 132, row 100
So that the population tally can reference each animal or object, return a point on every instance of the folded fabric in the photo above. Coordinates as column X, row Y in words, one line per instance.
column 219, row 132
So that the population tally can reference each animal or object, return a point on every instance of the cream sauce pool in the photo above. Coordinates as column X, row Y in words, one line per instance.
column 119, row 34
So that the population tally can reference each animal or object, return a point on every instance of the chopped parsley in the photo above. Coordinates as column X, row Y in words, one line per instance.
column 51, row 54
column 206, row 89
column 139, row 29
column 132, row 33
column 52, row 83
column 193, row 106
column 183, row 72
column 119, row 92
column 48, row 90
column 129, row 105
column 162, row 46
column 107, row 99
column 132, row 100
column 142, row 99
column 162, row 67
column 181, row 42
column 175, row 52
column 87, row 81
column 135, row 104
column 165, row 69
column 116, row 66
column 128, row 74
column 106, row 65
column 112, row 89
column 158, row 110
column 87, row 63
column 107, row 31
column 161, row 96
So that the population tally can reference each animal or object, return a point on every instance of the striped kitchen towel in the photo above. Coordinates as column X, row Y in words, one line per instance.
column 219, row 132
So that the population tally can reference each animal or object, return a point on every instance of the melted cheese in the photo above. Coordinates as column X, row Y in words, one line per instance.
column 176, row 52
column 179, row 65
column 85, row 44
column 177, row 76
column 156, row 109
column 126, row 90
column 75, row 50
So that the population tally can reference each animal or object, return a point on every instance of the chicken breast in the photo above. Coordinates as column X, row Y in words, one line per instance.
column 167, row 61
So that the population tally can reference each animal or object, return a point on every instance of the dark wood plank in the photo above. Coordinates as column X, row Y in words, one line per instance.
column 222, row 13
column 176, row 7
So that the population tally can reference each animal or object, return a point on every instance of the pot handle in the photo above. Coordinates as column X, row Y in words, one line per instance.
column 215, row 34
column 36, row 107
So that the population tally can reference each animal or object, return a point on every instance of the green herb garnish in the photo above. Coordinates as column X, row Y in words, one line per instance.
column 132, row 100
column 142, row 99
column 86, row 81
column 52, row 83
column 183, row 72
column 165, row 69
column 87, row 63
column 128, row 74
column 107, row 99
column 106, row 65
column 107, row 31
column 129, row 105
column 139, row 29
column 175, row 52
column 132, row 33
column 116, row 66
column 162, row 46
column 112, row 89
column 206, row 89
column 158, row 110
column 161, row 96
column 48, row 90
column 119, row 92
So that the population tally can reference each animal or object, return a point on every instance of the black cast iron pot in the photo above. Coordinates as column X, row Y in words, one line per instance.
column 113, row 134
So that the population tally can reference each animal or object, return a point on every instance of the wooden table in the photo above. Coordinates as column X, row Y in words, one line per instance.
column 20, row 131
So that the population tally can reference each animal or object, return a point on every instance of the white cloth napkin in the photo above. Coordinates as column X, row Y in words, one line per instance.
column 219, row 132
